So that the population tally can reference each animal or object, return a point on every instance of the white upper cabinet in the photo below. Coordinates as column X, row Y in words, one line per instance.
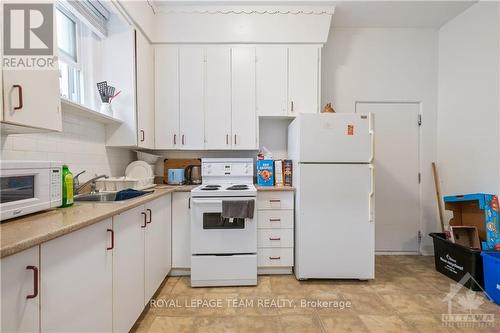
column 244, row 119
column 167, row 97
column 191, row 83
column 303, row 79
column 31, row 98
column 271, row 80
column 218, row 98
column 144, row 60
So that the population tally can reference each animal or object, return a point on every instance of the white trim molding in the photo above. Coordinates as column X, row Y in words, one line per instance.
column 249, row 9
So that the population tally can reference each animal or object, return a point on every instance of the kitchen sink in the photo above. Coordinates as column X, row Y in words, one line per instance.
column 104, row 197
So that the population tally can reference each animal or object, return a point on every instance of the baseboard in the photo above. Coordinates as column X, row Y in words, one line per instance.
column 274, row 270
column 389, row 253
column 180, row 272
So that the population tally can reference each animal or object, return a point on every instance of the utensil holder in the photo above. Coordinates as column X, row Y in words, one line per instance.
column 106, row 109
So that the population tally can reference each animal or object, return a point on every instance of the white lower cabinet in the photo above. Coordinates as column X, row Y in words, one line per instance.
column 76, row 281
column 181, row 234
column 20, row 301
column 128, row 268
column 158, row 259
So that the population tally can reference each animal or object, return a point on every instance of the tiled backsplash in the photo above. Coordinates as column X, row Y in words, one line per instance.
column 81, row 146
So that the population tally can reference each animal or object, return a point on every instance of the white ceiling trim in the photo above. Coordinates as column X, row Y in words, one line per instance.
column 248, row 10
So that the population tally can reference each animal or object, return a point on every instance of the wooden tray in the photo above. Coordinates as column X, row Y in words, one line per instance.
column 171, row 163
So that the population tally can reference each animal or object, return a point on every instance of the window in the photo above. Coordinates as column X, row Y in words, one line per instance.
column 68, row 40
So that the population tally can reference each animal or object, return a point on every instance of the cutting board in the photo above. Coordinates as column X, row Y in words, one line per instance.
column 171, row 163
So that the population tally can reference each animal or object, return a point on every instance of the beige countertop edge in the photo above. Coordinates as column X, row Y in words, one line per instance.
column 25, row 232
column 275, row 188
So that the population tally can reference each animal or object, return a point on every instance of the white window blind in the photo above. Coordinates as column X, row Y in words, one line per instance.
column 91, row 13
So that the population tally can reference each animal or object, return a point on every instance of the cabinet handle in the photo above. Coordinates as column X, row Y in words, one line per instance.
column 227, row 139
column 274, row 220
column 175, row 139
column 145, row 221
column 291, row 106
column 274, row 238
column 112, row 240
column 189, row 202
column 142, row 135
column 235, row 139
column 275, row 200
column 275, row 258
column 35, row 281
column 150, row 215
column 20, row 97
column 182, row 139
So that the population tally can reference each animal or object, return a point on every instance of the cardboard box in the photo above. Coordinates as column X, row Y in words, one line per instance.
column 478, row 210
column 465, row 236
column 265, row 172
column 278, row 173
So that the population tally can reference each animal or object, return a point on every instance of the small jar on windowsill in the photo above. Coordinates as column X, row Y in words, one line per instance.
column 106, row 109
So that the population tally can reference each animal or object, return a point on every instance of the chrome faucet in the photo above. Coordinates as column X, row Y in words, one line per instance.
column 78, row 188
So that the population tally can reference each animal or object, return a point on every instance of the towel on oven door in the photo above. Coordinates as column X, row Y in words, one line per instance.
column 238, row 208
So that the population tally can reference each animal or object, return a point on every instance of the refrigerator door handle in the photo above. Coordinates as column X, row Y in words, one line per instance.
column 371, row 195
column 372, row 138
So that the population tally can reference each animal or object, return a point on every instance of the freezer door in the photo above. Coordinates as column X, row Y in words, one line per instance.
column 335, row 228
column 341, row 138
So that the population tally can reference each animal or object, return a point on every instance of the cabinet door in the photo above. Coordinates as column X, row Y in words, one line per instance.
column 19, row 313
column 191, row 69
column 158, row 244
column 145, row 91
column 218, row 98
column 181, row 235
column 128, row 268
column 166, row 97
column 31, row 98
column 76, row 281
column 271, row 80
column 244, row 119
column 303, row 69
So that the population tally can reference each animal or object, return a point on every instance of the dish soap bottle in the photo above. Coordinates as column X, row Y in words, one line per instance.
column 67, row 195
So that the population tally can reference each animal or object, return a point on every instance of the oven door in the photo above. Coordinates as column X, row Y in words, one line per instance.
column 212, row 234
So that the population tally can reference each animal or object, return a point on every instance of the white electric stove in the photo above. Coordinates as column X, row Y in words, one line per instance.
column 223, row 250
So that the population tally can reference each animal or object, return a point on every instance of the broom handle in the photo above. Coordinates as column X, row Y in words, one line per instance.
column 438, row 195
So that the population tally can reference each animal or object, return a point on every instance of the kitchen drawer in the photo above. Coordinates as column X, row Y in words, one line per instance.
column 274, row 219
column 275, row 238
column 275, row 257
column 275, row 200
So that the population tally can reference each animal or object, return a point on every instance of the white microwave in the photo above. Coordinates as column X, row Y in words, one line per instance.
column 28, row 187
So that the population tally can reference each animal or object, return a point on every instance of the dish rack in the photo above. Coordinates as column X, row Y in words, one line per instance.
column 114, row 184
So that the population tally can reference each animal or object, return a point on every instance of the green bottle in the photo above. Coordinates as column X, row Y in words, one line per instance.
column 67, row 181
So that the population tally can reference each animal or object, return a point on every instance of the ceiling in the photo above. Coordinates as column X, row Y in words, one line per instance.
column 364, row 14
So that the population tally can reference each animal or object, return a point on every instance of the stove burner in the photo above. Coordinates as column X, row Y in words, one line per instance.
column 210, row 187
column 238, row 187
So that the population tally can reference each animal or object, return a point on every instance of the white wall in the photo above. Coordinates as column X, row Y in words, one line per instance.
column 469, row 108
column 388, row 65
column 80, row 146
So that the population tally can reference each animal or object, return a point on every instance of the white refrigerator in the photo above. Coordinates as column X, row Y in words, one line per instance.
column 333, row 174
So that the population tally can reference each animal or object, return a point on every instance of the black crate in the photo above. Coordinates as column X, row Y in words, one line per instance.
column 454, row 261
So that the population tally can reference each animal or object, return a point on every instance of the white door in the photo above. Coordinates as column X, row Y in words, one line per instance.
column 76, row 281
column 158, row 243
column 181, row 234
column 192, row 80
column 396, row 176
column 334, row 227
column 31, row 98
column 271, row 80
column 166, row 97
column 218, row 98
column 303, row 79
column 244, row 118
column 19, row 313
column 145, row 92
column 128, row 268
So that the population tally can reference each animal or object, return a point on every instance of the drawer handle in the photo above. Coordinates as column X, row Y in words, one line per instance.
column 275, row 258
column 274, row 238
column 35, row 281
column 274, row 220
column 175, row 139
column 275, row 200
